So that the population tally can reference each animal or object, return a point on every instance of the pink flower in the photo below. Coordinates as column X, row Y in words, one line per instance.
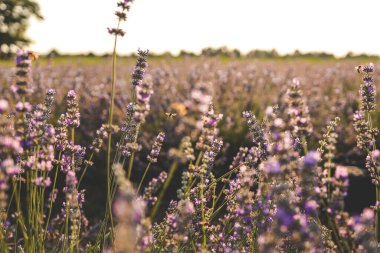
column 3, row 105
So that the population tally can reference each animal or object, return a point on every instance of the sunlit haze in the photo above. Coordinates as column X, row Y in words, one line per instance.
column 339, row 26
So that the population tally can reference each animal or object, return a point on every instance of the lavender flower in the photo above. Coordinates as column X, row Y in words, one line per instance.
column 209, row 130
column 100, row 135
column 368, row 90
column 364, row 133
column 72, row 116
column 23, row 79
column 298, row 111
column 156, row 148
column 256, row 130
column 151, row 190
column 363, row 232
column 143, row 93
column 139, row 70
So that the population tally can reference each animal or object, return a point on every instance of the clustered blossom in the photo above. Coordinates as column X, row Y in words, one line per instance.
column 121, row 14
column 133, row 229
column 291, row 229
column 364, row 133
column 210, row 120
column 48, row 103
column 177, row 226
column 23, row 69
column 200, row 98
column 72, row 116
column 156, row 148
column 61, row 133
column 143, row 89
column 153, row 187
column 129, row 128
column 137, row 110
column 142, row 107
column 100, row 135
column 9, row 146
column 241, row 213
column 340, row 187
column 209, row 155
column 373, row 166
column 327, row 149
column 363, row 232
column 139, row 70
column 187, row 148
column 185, row 152
column 298, row 111
column 329, row 138
column 72, row 158
column 368, row 90
column 256, row 129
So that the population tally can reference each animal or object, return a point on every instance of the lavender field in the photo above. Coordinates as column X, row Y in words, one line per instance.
column 188, row 154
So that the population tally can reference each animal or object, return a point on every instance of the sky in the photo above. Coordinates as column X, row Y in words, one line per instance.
column 333, row 26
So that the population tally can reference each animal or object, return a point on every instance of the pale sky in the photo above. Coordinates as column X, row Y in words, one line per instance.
column 335, row 26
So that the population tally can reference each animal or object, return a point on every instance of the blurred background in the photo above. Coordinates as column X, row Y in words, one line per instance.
column 243, row 53
column 79, row 27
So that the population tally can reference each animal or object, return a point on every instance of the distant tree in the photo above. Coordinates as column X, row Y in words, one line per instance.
column 274, row 54
column 235, row 53
column 297, row 53
column 90, row 54
column 166, row 54
column 263, row 54
column 53, row 53
column 14, row 20
column 349, row 55
column 185, row 53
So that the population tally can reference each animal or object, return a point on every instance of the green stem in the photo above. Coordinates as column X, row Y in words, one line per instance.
column 377, row 189
column 130, row 165
column 201, row 196
column 20, row 217
column 51, row 198
column 377, row 214
column 304, row 145
column 131, row 159
column 191, row 180
column 85, row 170
column 110, row 119
column 143, row 177
column 172, row 170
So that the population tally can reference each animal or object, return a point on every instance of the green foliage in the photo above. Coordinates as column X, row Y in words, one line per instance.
column 14, row 17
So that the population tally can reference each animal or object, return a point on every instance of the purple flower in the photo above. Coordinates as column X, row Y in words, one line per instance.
column 272, row 167
column 284, row 217
column 3, row 105
column 311, row 206
column 311, row 159
column 341, row 172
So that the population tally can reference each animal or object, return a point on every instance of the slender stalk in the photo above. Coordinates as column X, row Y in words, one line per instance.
column 221, row 191
column 20, row 217
column 131, row 159
column 304, row 144
column 377, row 187
column 201, row 196
column 3, row 244
column 191, row 181
column 110, row 119
column 172, row 170
column 85, row 170
column 225, row 175
column 130, row 165
column 143, row 177
column 51, row 199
